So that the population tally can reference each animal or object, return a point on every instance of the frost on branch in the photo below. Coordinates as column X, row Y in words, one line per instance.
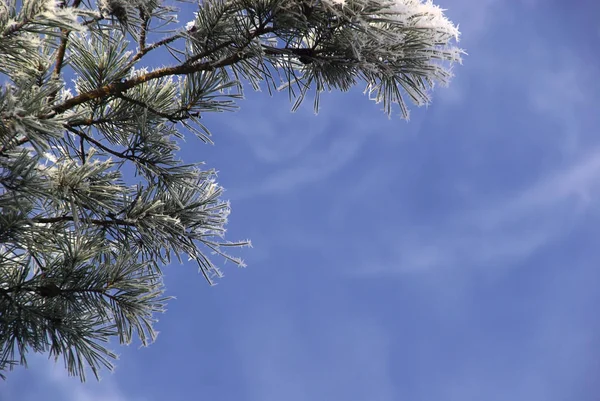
column 81, row 245
column 398, row 48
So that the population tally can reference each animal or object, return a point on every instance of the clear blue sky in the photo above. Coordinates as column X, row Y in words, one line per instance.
column 454, row 257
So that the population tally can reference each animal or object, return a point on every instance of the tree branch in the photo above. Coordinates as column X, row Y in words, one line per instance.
column 88, row 122
column 19, row 142
column 171, row 117
column 142, row 52
column 121, row 155
column 145, row 22
column 100, row 145
column 60, row 53
column 14, row 28
column 188, row 67
column 103, row 223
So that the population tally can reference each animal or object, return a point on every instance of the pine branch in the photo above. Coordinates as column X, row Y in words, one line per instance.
column 173, row 117
column 143, row 30
column 128, row 154
column 60, row 53
column 70, row 221
column 15, row 28
column 104, row 223
column 119, row 87
column 18, row 143
column 188, row 67
column 146, row 49
column 99, row 144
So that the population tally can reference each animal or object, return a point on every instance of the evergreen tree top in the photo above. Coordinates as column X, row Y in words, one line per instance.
column 81, row 245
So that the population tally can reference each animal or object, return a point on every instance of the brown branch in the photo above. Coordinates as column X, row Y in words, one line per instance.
column 20, row 142
column 103, row 223
column 60, row 53
column 51, row 290
column 145, row 22
column 145, row 106
column 91, row 21
column 119, row 87
column 200, row 56
column 122, row 155
column 82, row 149
column 88, row 122
column 171, row 117
column 57, row 291
column 101, row 146
column 142, row 52
column 188, row 67
column 12, row 29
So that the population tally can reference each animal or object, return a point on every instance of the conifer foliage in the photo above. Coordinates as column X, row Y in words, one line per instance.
column 81, row 244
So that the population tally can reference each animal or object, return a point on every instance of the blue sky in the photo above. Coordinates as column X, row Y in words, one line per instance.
column 451, row 257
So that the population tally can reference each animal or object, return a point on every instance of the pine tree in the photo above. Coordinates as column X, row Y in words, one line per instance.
column 81, row 245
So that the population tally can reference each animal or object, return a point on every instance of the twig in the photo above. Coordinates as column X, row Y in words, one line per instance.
column 145, row 22
column 104, row 223
column 142, row 52
column 60, row 53
column 188, row 67
column 20, row 142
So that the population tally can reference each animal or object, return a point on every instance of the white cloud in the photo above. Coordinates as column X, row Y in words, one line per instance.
column 272, row 133
column 311, row 149
column 474, row 17
column 316, row 166
column 562, row 90
column 506, row 231
column 50, row 381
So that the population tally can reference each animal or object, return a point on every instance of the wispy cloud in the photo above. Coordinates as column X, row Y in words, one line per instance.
column 315, row 166
column 272, row 133
column 564, row 91
column 302, row 149
column 475, row 17
column 348, row 361
column 518, row 222
column 49, row 381
column 507, row 230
